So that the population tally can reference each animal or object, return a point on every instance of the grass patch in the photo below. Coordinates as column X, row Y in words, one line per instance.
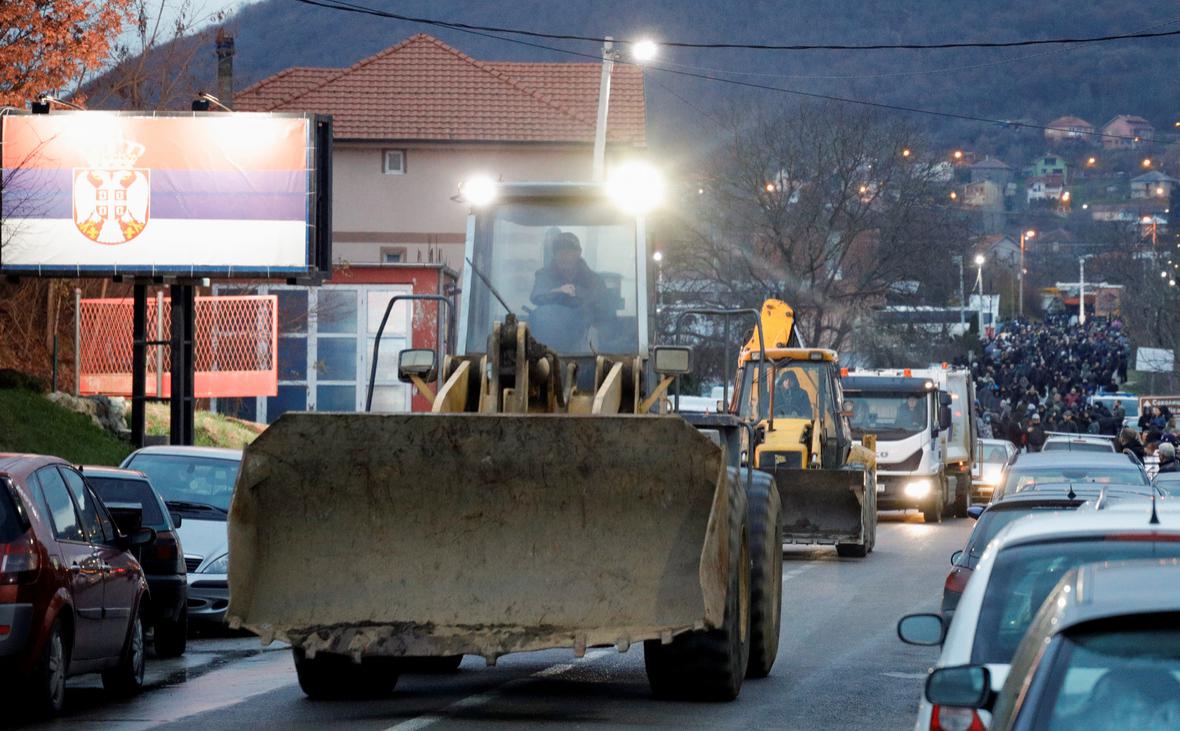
column 211, row 430
column 29, row 422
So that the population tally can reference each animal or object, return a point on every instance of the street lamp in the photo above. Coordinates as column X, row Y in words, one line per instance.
column 980, row 259
column 644, row 50
column 1024, row 236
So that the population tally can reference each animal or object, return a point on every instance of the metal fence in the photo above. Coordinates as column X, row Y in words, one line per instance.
column 235, row 350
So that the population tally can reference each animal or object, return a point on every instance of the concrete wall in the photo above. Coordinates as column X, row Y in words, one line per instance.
column 413, row 212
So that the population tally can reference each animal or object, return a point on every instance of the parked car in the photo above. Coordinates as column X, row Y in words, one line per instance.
column 71, row 593
column 1019, row 568
column 197, row 484
column 1169, row 482
column 1076, row 467
column 130, row 492
column 991, row 456
column 1102, row 653
column 1058, row 442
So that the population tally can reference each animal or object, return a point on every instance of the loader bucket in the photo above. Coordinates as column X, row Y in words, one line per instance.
column 444, row 534
column 822, row 506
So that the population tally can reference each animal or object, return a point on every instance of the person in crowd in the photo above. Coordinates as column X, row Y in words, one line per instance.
column 1167, row 455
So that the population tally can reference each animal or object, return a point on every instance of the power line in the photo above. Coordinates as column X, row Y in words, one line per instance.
column 1069, row 40
column 472, row 30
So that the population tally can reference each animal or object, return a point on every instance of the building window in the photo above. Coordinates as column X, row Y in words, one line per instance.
column 393, row 256
column 393, row 162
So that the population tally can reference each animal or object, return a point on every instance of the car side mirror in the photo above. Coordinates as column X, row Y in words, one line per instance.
column 141, row 537
column 944, row 417
column 128, row 517
column 955, row 558
column 974, row 511
column 847, row 410
column 176, row 519
column 961, row 686
column 921, row 629
column 420, row 362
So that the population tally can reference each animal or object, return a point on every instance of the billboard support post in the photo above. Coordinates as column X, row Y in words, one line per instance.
column 183, row 372
column 138, row 358
column 77, row 341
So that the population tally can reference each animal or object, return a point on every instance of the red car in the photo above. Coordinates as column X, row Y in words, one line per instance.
column 70, row 593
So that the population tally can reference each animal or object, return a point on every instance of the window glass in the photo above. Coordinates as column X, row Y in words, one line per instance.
column 335, row 359
column 335, row 398
column 1024, row 575
column 292, row 310
column 11, row 525
column 1020, row 478
column 336, row 311
column 293, row 359
column 289, row 398
column 85, row 503
column 890, row 416
column 60, row 506
column 390, row 398
column 115, row 491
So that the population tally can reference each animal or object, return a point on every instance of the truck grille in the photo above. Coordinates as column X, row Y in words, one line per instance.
column 908, row 464
column 192, row 562
column 788, row 460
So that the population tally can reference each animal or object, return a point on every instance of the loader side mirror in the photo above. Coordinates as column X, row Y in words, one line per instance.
column 672, row 360
column 847, row 410
column 419, row 362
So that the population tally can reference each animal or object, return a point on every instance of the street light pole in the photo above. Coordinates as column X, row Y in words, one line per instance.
column 608, row 66
column 1082, row 289
column 962, row 298
column 979, row 261
column 1020, row 275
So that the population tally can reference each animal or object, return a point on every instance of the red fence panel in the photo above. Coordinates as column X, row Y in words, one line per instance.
column 235, row 350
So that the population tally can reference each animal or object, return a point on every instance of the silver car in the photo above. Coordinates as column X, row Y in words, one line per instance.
column 197, row 483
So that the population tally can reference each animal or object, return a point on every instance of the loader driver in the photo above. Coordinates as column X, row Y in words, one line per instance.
column 790, row 400
column 569, row 298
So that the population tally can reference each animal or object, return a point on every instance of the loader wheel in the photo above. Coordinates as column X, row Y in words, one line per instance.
column 333, row 677
column 440, row 665
column 710, row 665
column 763, row 509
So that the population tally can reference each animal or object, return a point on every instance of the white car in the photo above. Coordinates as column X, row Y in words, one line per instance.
column 197, row 483
column 990, row 457
column 1061, row 442
column 1018, row 570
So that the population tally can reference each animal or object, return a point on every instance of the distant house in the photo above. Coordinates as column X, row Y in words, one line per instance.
column 1045, row 187
column 1069, row 128
column 984, row 194
column 1047, row 165
column 1153, row 185
column 1131, row 212
column 999, row 249
column 989, row 168
column 1127, row 131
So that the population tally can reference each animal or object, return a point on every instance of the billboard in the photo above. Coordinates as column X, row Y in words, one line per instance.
column 107, row 193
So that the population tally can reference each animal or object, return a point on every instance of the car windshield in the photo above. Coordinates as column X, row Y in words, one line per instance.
column 1125, row 677
column 993, row 454
column 1130, row 405
column 202, row 481
column 992, row 522
column 1020, row 478
column 890, row 416
column 1024, row 575
column 568, row 270
column 121, row 490
column 1063, row 445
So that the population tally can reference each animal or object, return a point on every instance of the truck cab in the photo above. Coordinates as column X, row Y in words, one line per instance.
column 908, row 415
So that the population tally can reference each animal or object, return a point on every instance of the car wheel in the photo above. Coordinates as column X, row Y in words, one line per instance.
column 171, row 636
column 126, row 678
column 47, row 682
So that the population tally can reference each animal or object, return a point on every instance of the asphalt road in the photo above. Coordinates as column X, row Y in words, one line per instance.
column 840, row 666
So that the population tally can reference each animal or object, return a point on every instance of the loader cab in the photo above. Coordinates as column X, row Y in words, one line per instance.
column 565, row 258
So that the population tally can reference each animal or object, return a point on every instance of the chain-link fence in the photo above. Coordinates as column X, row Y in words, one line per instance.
column 234, row 350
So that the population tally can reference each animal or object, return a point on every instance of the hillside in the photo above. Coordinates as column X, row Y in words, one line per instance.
column 1033, row 84
column 29, row 422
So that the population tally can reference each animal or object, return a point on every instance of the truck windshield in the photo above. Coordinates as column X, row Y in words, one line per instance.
column 568, row 268
column 890, row 416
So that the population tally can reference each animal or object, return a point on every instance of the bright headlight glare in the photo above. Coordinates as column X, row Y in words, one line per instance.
column 917, row 488
column 635, row 187
column 479, row 190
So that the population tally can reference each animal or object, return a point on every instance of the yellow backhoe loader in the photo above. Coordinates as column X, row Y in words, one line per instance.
column 827, row 484
column 548, row 500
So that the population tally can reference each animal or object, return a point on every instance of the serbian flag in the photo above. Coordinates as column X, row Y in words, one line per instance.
column 105, row 192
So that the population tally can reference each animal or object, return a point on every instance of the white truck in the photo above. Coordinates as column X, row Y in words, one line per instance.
column 962, row 437
column 910, row 415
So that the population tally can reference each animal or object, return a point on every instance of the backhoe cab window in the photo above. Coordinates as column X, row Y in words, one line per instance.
column 799, row 389
column 568, row 269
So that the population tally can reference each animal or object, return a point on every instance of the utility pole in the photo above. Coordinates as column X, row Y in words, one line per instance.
column 608, row 65
column 1082, row 289
column 979, row 260
column 962, row 298
column 1020, row 275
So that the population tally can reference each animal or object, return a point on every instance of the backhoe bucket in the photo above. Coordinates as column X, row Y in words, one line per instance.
column 824, row 506
column 445, row 534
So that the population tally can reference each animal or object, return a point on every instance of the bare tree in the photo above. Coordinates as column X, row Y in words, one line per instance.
column 828, row 208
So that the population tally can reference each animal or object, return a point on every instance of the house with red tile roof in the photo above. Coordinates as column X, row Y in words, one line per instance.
column 1127, row 131
column 1069, row 128
column 414, row 120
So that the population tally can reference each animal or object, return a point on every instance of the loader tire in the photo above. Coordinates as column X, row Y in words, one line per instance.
column 852, row 550
column 710, row 665
column 440, row 665
column 335, row 677
column 763, row 508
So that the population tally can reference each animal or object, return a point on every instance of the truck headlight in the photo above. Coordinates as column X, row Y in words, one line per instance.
column 917, row 488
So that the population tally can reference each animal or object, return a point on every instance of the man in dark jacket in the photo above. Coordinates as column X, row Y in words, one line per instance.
column 569, row 297
column 1035, row 435
column 1168, row 461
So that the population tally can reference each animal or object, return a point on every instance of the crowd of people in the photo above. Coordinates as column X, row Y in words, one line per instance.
column 1034, row 378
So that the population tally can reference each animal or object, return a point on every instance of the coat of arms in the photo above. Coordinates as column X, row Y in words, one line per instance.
column 112, row 197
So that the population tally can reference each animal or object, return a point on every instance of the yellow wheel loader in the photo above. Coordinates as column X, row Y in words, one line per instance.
column 827, row 484
column 547, row 501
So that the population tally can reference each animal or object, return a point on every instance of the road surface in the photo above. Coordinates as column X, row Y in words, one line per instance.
column 840, row 666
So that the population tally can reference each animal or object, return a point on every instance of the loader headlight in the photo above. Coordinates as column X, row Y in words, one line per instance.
column 917, row 488
column 219, row 565
column 635, row 187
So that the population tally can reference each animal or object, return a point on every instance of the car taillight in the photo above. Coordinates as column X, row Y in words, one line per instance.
column 19, row 561
column 956, row 580
column 165, row 549
column 949, row 718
